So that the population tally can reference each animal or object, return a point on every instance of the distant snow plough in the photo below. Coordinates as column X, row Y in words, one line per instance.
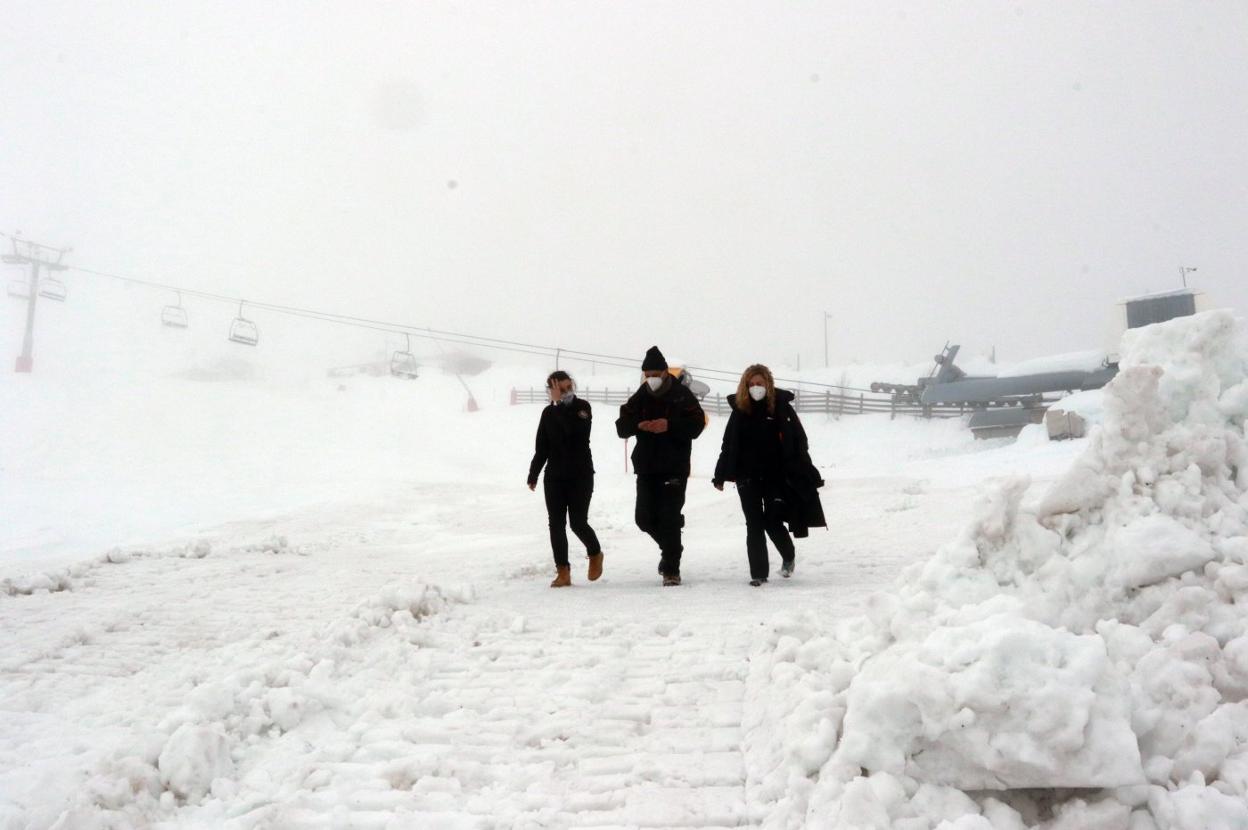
column 1003, row 404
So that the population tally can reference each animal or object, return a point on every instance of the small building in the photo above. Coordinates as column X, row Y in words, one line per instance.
column 1160, row 307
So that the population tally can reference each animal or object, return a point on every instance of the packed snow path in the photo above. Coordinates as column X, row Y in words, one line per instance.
column 639, row 730
column 320, row 684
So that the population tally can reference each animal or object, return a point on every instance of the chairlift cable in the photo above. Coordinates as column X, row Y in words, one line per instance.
column 437, row 335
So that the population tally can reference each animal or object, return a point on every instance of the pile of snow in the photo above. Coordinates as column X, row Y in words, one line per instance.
column 1079, row 660
column 399, row 607
column 226, row 731
column 1090, row 404
column 193, row 758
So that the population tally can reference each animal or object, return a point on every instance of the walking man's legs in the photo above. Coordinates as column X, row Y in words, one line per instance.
column 670, row 521
column 646, row 512
column 660, row 501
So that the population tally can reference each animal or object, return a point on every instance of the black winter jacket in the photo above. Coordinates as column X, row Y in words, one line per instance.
column 665, row 453
column 739, row 458
column 562, row 444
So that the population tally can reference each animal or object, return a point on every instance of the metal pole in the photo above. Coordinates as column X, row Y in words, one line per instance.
column 26, row 360
column 825, row 339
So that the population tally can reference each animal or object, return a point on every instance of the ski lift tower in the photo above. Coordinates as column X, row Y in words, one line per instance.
column 34, row 254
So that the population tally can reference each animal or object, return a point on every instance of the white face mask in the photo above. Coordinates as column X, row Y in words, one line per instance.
column 566, row 397
column 758, row 392
column 654, row 383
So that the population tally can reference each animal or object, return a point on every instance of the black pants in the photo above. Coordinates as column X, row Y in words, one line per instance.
column 762, row 502
column 660, row 500
column 567, row 503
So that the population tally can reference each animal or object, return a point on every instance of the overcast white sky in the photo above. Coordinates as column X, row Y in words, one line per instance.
column 709, row 176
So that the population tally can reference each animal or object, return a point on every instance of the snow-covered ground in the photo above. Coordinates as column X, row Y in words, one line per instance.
column 505, row 702
column 237, row 596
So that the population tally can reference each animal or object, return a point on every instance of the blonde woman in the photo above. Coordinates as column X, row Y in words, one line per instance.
column 765, row 451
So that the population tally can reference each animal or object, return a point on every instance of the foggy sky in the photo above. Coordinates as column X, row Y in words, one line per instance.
column 708, row 176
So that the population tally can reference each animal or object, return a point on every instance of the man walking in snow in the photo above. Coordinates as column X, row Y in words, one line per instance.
column 665, row 417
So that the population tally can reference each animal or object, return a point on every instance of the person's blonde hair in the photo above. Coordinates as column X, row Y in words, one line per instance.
column 744, row 402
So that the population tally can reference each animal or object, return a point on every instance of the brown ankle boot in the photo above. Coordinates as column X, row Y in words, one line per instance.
column 563, row 578
column 595, row 567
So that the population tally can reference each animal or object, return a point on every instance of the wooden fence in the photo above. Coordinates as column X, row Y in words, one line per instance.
column 834, row 404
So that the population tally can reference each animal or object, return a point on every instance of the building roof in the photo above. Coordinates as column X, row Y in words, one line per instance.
column 1157, row 295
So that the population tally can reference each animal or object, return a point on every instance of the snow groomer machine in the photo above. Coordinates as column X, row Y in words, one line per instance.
column 1001, row 406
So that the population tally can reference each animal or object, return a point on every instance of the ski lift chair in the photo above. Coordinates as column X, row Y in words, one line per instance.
column 243, row 330
column 403, row 363
column 53, row 289
column 174, row 316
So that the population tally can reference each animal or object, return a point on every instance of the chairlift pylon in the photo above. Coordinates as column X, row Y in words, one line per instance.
column 174, row 316
column 243, row 330
column 403, row 363
column 53, row 289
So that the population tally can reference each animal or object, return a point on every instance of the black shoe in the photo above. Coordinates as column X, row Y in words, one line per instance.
column 786, row 569
column 660, row 567
column 757, row 582
column 670, row 580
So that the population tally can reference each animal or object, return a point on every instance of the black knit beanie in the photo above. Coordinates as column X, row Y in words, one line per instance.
column 654, row 362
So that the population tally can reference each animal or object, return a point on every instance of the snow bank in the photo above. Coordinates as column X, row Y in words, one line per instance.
column 193, row 758
column 997, row 703
column 227, row 732
column 1089, row 403
column 1094, row 638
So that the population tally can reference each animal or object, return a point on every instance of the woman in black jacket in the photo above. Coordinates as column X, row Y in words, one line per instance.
column 563, row 449
column 766, row 453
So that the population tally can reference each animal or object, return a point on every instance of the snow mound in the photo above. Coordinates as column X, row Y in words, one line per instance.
column 234, row 724
column 51, row 582
column 400, row 607
column 1094, row 638
column 193, row 758
column 68, row 578
column 998, row 703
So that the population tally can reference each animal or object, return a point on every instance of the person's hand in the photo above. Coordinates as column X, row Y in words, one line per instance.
column 658, row 425
column 645, row 426
column 552, row 391
column 532, row 485
column 719, row 485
